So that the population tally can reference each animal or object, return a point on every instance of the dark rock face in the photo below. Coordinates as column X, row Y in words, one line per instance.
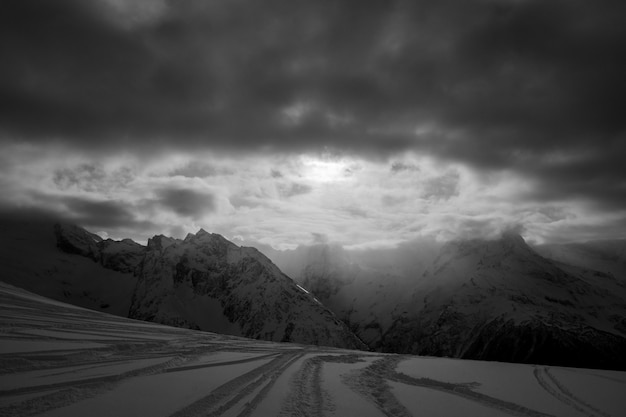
column 121, row 256
column 535, row 342
column 75, row 240
column 531, row 342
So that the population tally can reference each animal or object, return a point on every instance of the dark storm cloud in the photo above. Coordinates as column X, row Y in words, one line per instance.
column 186, row 202
column 88, row 212
column 99, row 213
column 496, row 84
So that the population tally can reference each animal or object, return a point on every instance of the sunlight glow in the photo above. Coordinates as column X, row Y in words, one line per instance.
column 323, row 170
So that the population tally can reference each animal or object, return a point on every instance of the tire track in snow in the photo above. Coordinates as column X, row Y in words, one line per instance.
column 51, row 359
column 214, row 364
column 234, row 391
column 554, row 387
column 465, row 391
column 66, row 393
column 307, row 397
column 94, row 380
column 251, row 405
column 370, row 383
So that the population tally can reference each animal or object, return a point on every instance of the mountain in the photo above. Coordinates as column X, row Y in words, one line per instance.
column 479, row 299
column 203, row 282
column 207, row 282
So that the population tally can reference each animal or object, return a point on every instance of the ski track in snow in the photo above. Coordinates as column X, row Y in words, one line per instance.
column 555, row 388
column 58, row 360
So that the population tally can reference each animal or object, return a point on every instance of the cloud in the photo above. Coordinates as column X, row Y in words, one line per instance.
column 186, row 202
column 99, row 213
column 399, row 166
column 442, row 187
column 198, row 169
column 239, row 201
column 90, row 212
column 293, row 189
column 319, row 238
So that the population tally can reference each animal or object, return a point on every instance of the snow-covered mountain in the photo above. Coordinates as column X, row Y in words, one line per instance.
column 207, row 282
column 203, row 282
column 480, row 299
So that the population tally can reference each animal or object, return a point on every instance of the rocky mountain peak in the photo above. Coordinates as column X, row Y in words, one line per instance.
column 202, row 232
column 513, row 239
column 160, row 242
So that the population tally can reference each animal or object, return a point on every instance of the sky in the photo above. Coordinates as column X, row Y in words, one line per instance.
column 363, row 123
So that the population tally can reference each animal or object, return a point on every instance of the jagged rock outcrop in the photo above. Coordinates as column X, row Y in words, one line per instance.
column 122, row 256
column 76, row 240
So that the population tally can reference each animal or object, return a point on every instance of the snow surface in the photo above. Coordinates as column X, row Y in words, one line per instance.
column 63, row 360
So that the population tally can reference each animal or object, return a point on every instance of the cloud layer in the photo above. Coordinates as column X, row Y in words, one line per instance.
column 530, row 91
column 286, row 200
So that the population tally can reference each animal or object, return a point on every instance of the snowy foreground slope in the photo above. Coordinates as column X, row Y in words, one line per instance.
column 61, row 360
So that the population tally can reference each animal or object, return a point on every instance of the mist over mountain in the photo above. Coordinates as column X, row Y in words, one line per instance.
column 481, row 299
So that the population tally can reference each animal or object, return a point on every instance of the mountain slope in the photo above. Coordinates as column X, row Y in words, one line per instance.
column 480, row 299
column 602, row 262
column 500, row 300
column 209, row 283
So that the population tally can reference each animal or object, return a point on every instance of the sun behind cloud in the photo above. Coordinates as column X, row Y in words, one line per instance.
column 325, row 169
